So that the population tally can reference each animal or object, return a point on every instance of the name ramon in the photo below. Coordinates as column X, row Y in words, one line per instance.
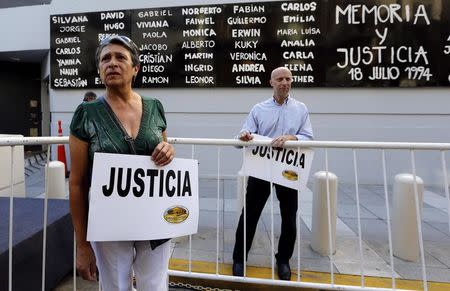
column 171, row 183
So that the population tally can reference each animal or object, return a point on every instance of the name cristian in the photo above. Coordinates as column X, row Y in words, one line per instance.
column 166, row 183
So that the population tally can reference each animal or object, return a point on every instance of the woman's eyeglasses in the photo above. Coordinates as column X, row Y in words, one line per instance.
column 122, row 39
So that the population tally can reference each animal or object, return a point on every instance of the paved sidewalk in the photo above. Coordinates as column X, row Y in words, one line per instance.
column 346, row 260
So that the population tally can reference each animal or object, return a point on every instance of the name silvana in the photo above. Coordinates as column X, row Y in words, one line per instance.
column 288, row 156
column 171, row 183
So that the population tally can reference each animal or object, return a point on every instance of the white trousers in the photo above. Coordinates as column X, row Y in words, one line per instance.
column 116, row 261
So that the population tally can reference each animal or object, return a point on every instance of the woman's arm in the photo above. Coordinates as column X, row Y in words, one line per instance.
column 79, row 188
column 164, row 152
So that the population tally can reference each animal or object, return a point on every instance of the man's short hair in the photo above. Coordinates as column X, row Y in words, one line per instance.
column 89, row 96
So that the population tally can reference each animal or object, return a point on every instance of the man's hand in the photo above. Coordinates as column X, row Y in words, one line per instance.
column 278, row 142
column 86, row 262
column 245, row 136
column 163, row 154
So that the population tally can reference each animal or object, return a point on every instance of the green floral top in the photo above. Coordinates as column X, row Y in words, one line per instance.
column 95, row 123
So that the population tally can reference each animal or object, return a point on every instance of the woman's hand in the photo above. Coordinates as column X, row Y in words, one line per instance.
column 86, row 262
column 163, row 154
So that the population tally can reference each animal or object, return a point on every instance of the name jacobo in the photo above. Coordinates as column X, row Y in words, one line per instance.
column 171, row 183
column 288, row 156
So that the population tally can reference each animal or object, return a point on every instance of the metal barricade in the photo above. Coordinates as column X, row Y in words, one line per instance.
column 219, row 144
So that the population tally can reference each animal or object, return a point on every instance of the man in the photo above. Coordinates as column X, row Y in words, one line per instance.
column 281, row 118
column 89, row 96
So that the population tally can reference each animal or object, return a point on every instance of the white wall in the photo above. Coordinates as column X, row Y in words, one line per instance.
column 359, row 114
column 25, row 28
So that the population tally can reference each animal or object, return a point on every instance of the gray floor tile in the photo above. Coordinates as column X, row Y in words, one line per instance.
column 368, row 269
column 229, row 238
column 227, row 220
column 382, row 249
column 442, row 227
column 200, row 255
column 439, row 190
column 346, row 188
column 380, row 211
column 377, row 229
column 433, row 274
column 314, row 265
column 431, row 234
column 350, row 211
column 206, row 240
column 305, row 232
column 343, row 198
column 368, row 198
column 347, row 250
column 210, row 204
column 433, row 215
column 306, row 252
column 208, row 188
column 371, row 228
column 305, row 248
column 260, row 260
column 378, row 189
column 230, row 188
column 82, row 285
column 34, row 184
column 440, row 251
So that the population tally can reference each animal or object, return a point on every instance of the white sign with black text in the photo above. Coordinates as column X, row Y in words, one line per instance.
column 132, row 199
column 284, row 166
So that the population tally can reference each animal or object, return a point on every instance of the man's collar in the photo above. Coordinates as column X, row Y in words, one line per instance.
column 285, row 100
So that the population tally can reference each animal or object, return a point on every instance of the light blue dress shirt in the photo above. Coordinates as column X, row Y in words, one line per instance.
column 271, row 119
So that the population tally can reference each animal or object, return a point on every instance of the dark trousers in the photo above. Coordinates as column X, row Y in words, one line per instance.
column 257, row 193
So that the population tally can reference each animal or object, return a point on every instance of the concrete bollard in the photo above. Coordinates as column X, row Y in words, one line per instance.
column 56, row 180
column 405, row 237
column 320, row 234
column 241, row 182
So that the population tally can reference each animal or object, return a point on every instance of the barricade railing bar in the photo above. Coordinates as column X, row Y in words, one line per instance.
column 220, row 143
column 15, row 141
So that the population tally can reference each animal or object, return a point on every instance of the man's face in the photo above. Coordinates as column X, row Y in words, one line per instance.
column 281, row 81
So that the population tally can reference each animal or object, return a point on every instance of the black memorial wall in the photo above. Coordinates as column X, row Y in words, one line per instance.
column 325, row 43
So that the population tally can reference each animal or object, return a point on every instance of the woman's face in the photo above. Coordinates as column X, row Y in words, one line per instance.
column 116, row 67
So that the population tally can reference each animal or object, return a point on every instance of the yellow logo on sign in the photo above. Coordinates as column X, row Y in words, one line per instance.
column 176, row 214
column 290, row 175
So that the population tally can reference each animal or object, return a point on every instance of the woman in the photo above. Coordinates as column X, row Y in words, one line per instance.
column 122, row 122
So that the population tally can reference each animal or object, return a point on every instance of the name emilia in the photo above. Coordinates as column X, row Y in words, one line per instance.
column 151, row 182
